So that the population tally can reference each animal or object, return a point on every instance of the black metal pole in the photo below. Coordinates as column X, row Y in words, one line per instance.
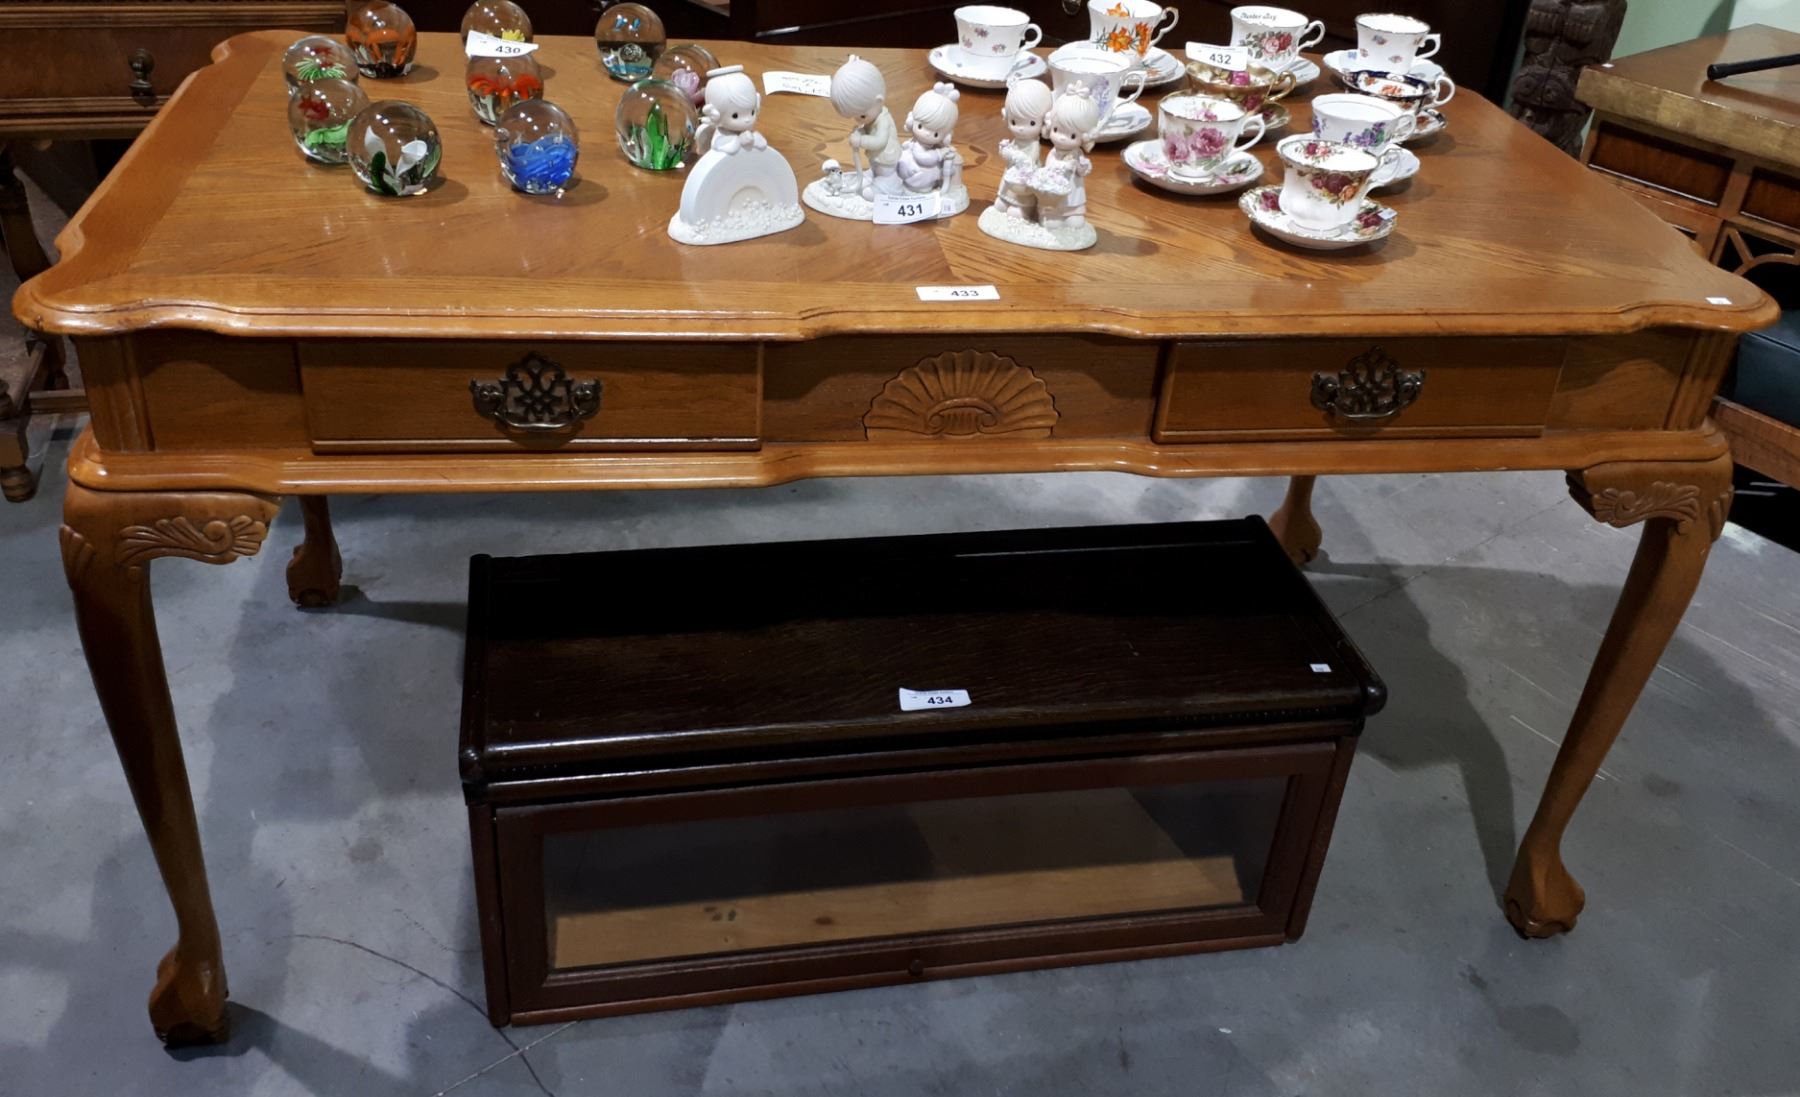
column 1737, row 68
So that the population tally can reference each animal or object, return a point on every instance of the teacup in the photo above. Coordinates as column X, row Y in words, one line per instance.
column 1326, row 180
column 1112, row 79
column 1253, row 88
column 1391, row 43
column 1199, row 134
column 1129, row 26
column 1365, row 122
column 1275, row 36
column 1411, row 93
column 989, row 38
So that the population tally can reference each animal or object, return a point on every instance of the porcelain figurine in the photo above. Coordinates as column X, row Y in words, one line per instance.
column 859, row 93
column 1058, row 186
column 1027, row 103
column 928, row 161
column 741, row 188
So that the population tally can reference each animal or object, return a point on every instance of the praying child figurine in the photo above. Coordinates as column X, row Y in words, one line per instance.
column 1027, row 102
column 859, row 93
column 740, row 188
column 1059, row 184
column 928, row 162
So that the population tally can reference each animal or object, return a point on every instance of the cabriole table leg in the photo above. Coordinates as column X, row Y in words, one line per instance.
column 1293, row 522
column 315, row 569
column 1683, row 508
column 108, row 542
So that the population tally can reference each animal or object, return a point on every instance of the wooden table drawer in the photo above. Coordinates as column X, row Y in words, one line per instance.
column 1393, row 388
column 414, row 397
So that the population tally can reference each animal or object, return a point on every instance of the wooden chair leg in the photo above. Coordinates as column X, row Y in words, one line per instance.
column 316, row 567
column 1683, row 508
column 16, row 481
column 1293, row 522
column 108, row 542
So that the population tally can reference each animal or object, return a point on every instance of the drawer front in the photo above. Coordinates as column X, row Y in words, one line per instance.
column 1661, row 163
column 1394, row 388
column 89, row 60
column 421, row 397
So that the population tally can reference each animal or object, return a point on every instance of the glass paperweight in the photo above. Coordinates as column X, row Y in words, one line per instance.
column 537, row 145
column 382, row 39
column 496, row 83
column 317, row 57
column 319, row 117
column 394, row 148
column 500, row 18
column 629, row 37
column 656, row 121
column 686, row 67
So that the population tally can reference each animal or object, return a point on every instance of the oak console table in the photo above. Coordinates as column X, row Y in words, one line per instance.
column 253, row 326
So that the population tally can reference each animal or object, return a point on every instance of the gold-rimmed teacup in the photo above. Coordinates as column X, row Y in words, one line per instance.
column 1252, row 88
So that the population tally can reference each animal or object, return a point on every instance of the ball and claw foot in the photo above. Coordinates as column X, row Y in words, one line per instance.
column 1542, row 899
column 17, row 484
column 187, row 1005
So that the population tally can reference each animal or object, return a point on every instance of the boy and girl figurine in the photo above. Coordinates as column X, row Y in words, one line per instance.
column 1040, row 204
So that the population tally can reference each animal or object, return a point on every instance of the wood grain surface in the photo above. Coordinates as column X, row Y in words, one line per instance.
column 214, row 221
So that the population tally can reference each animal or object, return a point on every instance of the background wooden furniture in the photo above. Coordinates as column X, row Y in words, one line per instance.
column 1720, row 161
column 81, row 69
column 1551, row 323
column 716, row 798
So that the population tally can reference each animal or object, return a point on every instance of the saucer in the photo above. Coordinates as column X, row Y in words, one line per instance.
column 1431, row 123
column 1275, row 116
column 1263, row 206
column 1161, row 67
column 1146, row 161
column 1338, row 62
column 944, row 59
column 1126, row 121
column 1305, row 72
column 1406, row 165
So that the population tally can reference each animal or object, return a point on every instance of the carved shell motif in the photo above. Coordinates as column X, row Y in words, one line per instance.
column 963, row 394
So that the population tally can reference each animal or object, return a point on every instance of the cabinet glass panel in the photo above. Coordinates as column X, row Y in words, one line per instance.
column 626, row 894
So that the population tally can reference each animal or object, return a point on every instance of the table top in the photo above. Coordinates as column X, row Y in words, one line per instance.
column 213, row 220
column 1756, row 113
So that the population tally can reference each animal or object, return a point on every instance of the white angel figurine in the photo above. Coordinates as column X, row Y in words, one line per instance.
column 928, row 161
column 732, row 103
column 859, row 93
column 1061, row 182
column 1027, row 102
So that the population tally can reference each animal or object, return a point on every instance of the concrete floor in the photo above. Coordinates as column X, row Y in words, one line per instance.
column 322, row 751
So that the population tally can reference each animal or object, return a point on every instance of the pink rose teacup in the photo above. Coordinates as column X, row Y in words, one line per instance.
column 1200, row 134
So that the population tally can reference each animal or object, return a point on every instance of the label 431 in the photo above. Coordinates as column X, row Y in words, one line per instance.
column 904, row 209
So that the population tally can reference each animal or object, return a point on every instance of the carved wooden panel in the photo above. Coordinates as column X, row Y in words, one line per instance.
column 961, row 394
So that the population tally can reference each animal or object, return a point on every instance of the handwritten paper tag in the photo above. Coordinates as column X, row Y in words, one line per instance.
column 1234, row 58
column 915, row 700
column 958, row 293
column 482, row 44
column 800, row 83
column 904, row 209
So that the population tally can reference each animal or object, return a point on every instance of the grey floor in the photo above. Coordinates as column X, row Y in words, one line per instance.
column 321, row 747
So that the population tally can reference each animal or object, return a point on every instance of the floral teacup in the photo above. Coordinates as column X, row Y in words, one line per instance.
column 1391, row 43
column 1326, row 180
column 1200, row 134
column 1410, row 93
column 1111, row 78
column 1253, row 88
column 989, row 38
column 1364, row 121
column 1129, row 27
column 1274, row 36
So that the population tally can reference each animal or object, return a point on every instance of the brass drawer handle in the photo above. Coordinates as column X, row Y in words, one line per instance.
column 536, row 395
column 1371, row 388
column 142, row 62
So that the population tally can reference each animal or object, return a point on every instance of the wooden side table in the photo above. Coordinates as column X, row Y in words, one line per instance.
column 88, row 69
column 1718, row 160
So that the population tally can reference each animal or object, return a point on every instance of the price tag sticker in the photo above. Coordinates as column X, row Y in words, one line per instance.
column 904, row 209
column 958, row 293
column 918, row 700
column 1718, row 300
column 483, row 44
column 799, row 83
column 1234, row 58
column 1321, row 668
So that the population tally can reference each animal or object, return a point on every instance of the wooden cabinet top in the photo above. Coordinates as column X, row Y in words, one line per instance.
column 1757, row 113
column 214, row 221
